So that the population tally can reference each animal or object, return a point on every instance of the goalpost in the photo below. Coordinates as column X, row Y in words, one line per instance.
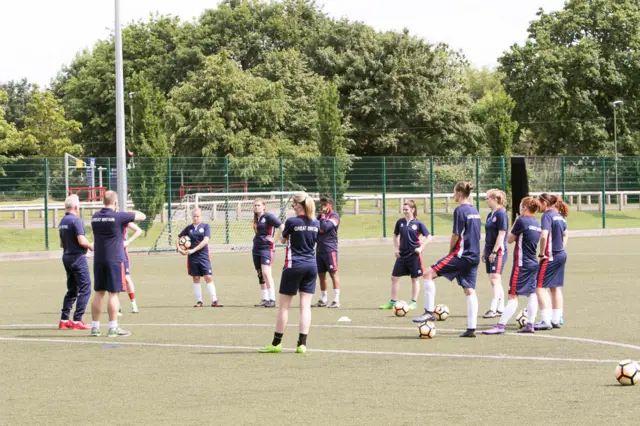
column 230, row 216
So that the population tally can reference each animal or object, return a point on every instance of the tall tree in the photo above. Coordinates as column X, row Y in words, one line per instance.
column 564, row 79
column 8, row 132
column 148, row 176
column 332, row 167
column 18, row 95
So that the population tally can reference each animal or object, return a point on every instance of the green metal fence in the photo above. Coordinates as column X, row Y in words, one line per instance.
column 602, row 192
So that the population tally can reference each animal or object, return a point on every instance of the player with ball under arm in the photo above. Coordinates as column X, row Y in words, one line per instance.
column 198, row 259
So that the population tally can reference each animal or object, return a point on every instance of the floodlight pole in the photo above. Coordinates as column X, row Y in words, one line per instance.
column 66, row 175
column 120, row 147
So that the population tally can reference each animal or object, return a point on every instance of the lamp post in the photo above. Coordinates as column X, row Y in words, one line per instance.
column 615, row 138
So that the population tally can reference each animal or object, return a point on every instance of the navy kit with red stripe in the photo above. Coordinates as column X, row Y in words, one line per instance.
column 525, row 260
column 462, row 262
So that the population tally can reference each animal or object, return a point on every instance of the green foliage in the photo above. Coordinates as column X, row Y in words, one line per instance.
column 565, row 77
column 329, row 134
column 148, row 178
column 18, row 95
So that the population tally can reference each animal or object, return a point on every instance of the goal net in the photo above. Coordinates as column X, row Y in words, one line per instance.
column 230, row 216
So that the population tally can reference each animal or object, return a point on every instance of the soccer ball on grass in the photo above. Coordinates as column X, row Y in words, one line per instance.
column 427, row 330
column 628, row 372
column 401, row 308
column 441, row 312
column 522, row 318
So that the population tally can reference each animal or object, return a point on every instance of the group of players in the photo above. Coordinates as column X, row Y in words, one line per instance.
column 312, row 252
column 538, row 263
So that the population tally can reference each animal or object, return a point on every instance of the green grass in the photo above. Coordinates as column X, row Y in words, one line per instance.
column 222, row 378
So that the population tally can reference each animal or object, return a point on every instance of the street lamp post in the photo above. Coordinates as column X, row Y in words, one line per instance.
column 615, row 139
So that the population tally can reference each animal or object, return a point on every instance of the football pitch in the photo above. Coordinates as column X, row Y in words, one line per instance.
column 186, row 365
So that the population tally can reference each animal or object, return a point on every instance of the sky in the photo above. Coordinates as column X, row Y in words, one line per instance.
column 40, row 36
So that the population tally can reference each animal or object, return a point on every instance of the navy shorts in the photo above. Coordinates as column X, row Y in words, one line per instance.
column 551, row 272
column 497, row 266
column 109, row 276
column 327, row 262
column 126, row 267
column 198, row 267
column 262, row 258
column 77, row 270
column 451, row 266
column 408, row 265
column 301, row 279
column 523, row 280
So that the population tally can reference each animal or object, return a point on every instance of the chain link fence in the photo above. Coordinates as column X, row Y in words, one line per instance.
column 603, row 192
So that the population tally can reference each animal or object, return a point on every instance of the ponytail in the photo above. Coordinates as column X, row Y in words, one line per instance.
column 307, row 202
column 562, row 207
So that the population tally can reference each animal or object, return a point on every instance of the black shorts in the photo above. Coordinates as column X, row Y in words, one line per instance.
column 327, row 262
column 301, row 279
column 109, row 276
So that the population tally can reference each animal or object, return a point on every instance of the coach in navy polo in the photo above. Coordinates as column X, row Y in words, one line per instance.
column 109, row 227
column 74, row 245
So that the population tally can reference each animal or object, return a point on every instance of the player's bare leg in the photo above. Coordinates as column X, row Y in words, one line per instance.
column 96, row 311
column 304, row 322
column 322, row 277
column 335, row 278
column 112, row 308
column 395, row 289
column 282, row 318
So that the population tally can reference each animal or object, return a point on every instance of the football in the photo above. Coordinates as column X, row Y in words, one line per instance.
column 427, row 330
column 628, row 372
column 441, row 312
column 184, row 243
column 522, row 318
column 401, row 308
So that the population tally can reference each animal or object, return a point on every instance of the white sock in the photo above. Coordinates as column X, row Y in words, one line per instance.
column 501, row 300
column 532, row 308
column 472, row 311
column 95, row 324
column 113, row 324
column 323, row 296
column 429, row 295
column 493, row 305
column 265, row 294
column 556, row 316
column 197, row 292
column 545, row 315
column 211, row 288
column 509, row 310
column 272, row 293
column 336, row 295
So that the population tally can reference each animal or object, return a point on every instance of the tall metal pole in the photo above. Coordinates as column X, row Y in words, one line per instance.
column 615, row 143
column 120, row 147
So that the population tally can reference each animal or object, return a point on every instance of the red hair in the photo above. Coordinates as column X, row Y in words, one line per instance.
column 554, row 201
column 530, row 204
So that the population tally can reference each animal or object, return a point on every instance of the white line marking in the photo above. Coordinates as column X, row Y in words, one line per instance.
column 366, row 327
column 329, row 351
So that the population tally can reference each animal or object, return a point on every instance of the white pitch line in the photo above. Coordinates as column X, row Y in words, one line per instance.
column 365, row 327
column 329, row 351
